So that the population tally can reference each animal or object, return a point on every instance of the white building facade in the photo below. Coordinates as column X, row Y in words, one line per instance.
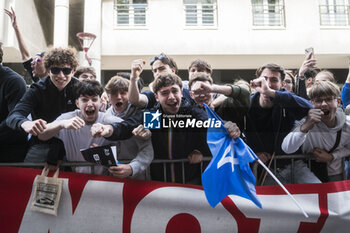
column 228, row 34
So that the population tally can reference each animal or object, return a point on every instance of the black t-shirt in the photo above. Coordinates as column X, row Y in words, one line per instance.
column 265, row 131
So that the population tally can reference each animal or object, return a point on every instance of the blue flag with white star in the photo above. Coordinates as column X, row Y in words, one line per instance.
column 228, row 172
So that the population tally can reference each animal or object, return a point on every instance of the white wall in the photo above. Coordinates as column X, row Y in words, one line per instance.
column 223, row 47
column 29, row 26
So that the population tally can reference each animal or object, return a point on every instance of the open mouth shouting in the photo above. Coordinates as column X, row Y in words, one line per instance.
column 90, row 112
column 119, row 104
column 172, row 107
column 325, row 111
column 90, row 115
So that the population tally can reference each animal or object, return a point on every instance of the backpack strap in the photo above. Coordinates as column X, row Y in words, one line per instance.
column 337, row 140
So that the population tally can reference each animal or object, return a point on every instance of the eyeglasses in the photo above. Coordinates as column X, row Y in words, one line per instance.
column 162, row 57
column 320, row 101
column 57, row 70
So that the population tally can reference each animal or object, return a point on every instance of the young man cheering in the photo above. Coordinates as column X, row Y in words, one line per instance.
column 45, row 101
column 73, row 128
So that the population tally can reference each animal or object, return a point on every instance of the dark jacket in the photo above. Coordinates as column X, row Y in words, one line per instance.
column 12, row 144
column 43, row 101
column 300, row 88
column 287, row 108
column 235, row 106
column 171, row 143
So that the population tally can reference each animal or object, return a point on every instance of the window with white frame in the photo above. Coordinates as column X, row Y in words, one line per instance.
column 334, row 12
column 200, row 13
column 268, row 13
column 130, row 13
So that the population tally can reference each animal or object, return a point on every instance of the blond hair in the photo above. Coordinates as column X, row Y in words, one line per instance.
column 322, row 89
column 117, row 84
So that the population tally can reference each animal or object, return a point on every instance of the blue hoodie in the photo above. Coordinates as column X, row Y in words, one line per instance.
column 276, row 122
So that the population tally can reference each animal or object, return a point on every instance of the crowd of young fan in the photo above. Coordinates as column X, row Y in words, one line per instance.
column 66, row 110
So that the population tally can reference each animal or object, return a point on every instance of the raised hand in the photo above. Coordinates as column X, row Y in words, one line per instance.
column 308, row 63
column 137, row 68
column 12, row 16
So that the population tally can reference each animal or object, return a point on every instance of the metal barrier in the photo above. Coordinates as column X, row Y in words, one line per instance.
column 164, row 162
column 308, row 158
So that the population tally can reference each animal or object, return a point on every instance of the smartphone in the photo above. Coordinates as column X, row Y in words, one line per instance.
column 309, row 52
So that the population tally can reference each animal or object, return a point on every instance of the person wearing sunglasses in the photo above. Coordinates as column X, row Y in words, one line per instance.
column 324, row 132
column 45, row 101
column 34, row 65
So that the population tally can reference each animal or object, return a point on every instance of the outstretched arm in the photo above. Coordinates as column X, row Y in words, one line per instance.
column 53, row 128
column 22, row 46
column 204, row 88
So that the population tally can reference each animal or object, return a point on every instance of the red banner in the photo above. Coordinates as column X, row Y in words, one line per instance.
column 92, row 203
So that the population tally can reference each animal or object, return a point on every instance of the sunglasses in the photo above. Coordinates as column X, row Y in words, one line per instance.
column 163, row 57
column 57, row 70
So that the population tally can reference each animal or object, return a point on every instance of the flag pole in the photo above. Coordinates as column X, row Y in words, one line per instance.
column 263, row 178
column 284, row 188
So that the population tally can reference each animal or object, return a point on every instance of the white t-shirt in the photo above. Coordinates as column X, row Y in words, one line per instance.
column 75, row 140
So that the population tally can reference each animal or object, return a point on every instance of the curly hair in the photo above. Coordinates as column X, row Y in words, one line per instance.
column 166, row 80
column 61, row 56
